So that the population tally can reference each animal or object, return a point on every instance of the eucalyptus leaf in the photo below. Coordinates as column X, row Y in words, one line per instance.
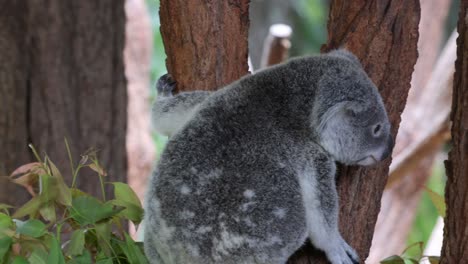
column 77, row 243
column 123, row 192
column 55, row 254
column 131, row 212
column 103, row 231
column 438, row 201
column 85, row 258
column 132, row 251
column 393, row 260
column 5, row 206
column 411, row 261
column 5, row 244
column 5, row 222
column 38, row 256
column 49, row 189
column 89, row 210
column 47, row 211
column 101, row 258
column 33, row 228
column 20, row 260
column 29, row 208
column 64, row 195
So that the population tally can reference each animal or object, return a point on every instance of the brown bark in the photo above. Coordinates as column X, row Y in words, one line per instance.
column 383, row 35
column 455, row 246
column 205, row 41
column 423, row 133
column 13, row 97
column 64, row 78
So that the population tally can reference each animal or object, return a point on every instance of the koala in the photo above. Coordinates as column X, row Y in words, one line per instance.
column 248, row 173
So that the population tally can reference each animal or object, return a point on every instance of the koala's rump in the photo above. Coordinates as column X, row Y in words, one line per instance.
column 224, row 207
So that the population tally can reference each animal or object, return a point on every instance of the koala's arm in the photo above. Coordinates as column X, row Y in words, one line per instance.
column 170, row 112
column 321, row 205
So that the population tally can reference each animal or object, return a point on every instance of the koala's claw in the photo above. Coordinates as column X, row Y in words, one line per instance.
column 343, row 254
column 165, row 85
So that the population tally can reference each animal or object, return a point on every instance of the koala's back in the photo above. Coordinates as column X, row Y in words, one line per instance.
column 225, row 191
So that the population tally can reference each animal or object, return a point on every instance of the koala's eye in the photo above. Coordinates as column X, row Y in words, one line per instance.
column 376, row 130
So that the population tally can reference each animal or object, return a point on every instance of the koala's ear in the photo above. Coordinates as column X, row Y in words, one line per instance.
column 345, row 54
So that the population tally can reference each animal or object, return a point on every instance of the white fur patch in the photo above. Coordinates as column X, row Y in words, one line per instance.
column 186, row 214
column 279, row 213
column 203, row 230
column 185, row 189
column 249, row 194
column 322, row 235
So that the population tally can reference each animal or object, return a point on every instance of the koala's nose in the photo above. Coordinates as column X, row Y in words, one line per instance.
column 389, row 148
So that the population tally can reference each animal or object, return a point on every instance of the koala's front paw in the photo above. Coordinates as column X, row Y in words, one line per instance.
column 342, row 253
column 165, row 85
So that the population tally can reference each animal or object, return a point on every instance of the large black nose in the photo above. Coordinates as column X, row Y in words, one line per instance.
column 389, row 148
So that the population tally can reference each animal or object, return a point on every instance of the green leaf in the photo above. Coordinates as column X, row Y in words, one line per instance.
column 30, row 208
column 64, row 195
column 131, row 211
column 77, row 243
column 101, row 258
column 55, row 254
column 77, row 193
column 20, row 260
column 411, row 261
column 123, row 192
column 48, row 190
column 5, row 206
column 419, row 245
column 393, row 260
column 85, row 258
column 38, row 256
column 97, row 168
column 47, row 211
column 33, row 228
column 89, row 210
column 104, row 261
column 126, row 197
column 5, row 222
column 132, row 251
column 438, row 201
column 5, row 244
column 103, row 232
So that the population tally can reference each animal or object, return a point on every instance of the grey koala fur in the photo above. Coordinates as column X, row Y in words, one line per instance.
column 249, row 171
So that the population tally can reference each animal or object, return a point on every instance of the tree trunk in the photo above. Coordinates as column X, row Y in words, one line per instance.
column 62, row 77
column 421, row 135
column 455, row 246
column 205, row 41
column 383, row 35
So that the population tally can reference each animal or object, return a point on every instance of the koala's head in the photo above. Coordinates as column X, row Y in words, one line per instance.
column 349, row 116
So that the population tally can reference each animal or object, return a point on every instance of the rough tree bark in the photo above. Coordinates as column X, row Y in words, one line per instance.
column 205, row 41
column 400, row 201
column 383, row 34
column 62, row 75
column 455, row 246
